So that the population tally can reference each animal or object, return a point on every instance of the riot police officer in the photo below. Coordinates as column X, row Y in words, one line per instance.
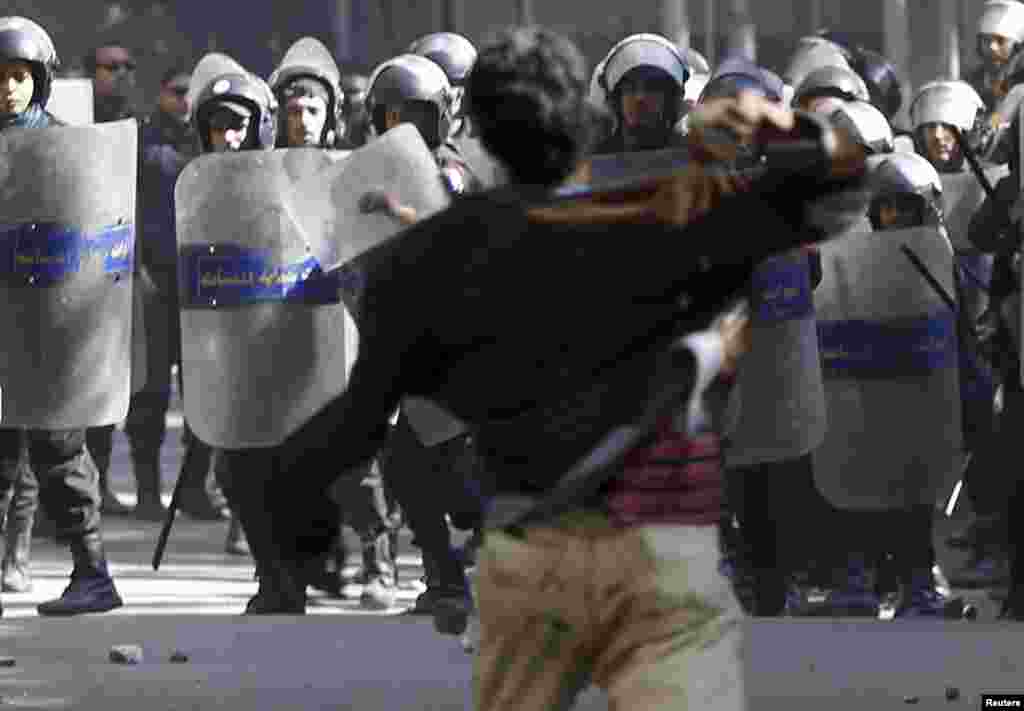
column 68, row 479
column 644, row 79
column 307, row 87
column 354, row 128
column 236, row 112
column 413, row 89
column 999, row 37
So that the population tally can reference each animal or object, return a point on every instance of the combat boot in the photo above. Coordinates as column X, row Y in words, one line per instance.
column 91, row 588
column 379, row 581
column 16, row 577
column 280, row 591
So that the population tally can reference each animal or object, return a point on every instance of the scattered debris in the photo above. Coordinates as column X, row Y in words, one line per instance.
column 7, row 662
column 911, row 699
column 179, row 657
column 126, row 654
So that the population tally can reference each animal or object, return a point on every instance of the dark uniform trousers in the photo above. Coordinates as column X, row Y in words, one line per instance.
column 244, row 474
column 429, row 482
column 68, row 481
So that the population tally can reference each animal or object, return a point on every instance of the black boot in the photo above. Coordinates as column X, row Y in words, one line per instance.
column 281, row 592
column 91, row 588
column 236, row 543
column 16, row 577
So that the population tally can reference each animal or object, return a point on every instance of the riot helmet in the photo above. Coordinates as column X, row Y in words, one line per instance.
column 738, row 74
column 456, row 56
column 235, row 93
column 411, row 88
column 22, row 40
column 1000, row 31
column 355, row 122
column 697, row 62
column 307, row 76
column 830, row 82
column 866, row 125
column 939, row 109
column 814, row 52
column 640, row 61
column 907, row 193
column 882, row 80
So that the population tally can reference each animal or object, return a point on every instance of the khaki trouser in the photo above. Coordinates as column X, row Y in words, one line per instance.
column 641, row 612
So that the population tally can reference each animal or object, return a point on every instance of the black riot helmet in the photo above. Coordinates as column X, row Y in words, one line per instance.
column 882, row 80
column 455, row 54
column 414, row 84
column 308, row 68
column 649, row 54
column 909, row 182
column 23, row 40
column 246, row 91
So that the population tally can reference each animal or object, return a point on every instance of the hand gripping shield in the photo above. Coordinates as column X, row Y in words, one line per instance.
column 889, row 353
column 262, row 326
column 779, row 392
column 67, row 212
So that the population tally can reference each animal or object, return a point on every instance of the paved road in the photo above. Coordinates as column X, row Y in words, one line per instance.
column 345, row 658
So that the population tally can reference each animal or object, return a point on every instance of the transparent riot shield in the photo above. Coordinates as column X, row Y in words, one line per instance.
column 963, row 195
column 67, row 214
column 263, row 328
column 781, row 398
column 889, row 352
column 71, row 101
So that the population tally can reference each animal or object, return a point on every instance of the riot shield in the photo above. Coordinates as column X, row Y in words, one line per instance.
column 889, row 353
column 398, row 162
column 67, row 229
column 308, row 55
column 263, row 329
column 963, row 196
column 781, row 398
column 71, row 101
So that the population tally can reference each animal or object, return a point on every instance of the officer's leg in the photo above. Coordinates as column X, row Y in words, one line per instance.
column 100, row 441
column 363, row 505
column 69, row 491
column 236, row 542
column 200, row 496
column 420, row 479
column 11, row 447
column 21, row 517
column 146, row 427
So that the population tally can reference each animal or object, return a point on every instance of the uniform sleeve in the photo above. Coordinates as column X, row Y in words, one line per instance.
column 990, row 229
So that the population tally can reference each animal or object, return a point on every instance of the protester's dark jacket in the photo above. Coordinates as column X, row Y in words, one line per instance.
column 541, row 337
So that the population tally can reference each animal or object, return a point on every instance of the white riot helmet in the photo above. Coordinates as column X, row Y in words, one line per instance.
column 814, row 52
column 866, row 125
column 907, row 179
column 832, row 81
column 643, row 50
column 1002, row 18
column 955, row 103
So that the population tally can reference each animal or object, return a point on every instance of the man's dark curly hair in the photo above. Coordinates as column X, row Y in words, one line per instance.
column 527, row 96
